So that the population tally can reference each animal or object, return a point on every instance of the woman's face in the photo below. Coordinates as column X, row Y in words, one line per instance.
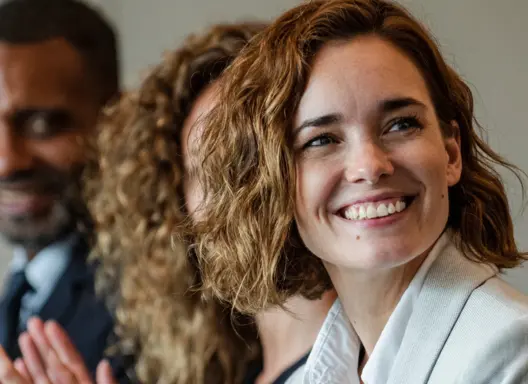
column 190, row 139
column 373, row 168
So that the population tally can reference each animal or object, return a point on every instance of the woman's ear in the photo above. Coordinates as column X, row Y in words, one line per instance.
column 454, row 155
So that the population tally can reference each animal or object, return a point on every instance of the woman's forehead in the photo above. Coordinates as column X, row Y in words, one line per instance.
column 357, row 73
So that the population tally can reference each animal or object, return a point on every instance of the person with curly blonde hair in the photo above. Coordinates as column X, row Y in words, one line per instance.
column 345, row 152
column 136, row 196
column 140, row 190
column 145, row 157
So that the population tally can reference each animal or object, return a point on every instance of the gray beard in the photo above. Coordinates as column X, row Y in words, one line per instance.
column 37, row 233
column 68, row 214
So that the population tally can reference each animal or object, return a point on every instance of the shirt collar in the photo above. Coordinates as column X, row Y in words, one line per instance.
column 48, row 265
column 334, row 357
column 335, row 354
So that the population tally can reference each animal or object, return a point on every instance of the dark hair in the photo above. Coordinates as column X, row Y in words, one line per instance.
column 35, row 21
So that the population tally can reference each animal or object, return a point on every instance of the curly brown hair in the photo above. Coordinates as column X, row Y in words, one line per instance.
column 250, row 253
column 133, row 186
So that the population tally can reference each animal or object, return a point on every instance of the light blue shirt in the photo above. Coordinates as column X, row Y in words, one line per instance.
column 43, row 273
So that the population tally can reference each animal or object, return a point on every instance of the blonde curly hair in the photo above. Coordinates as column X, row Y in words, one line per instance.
column 133, row 187
column 250, row 253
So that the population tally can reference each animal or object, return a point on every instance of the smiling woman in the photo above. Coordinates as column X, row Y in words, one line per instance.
column 379, row 147
column 349, row 149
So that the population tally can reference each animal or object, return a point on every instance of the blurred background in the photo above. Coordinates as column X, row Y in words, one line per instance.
column 485, row 40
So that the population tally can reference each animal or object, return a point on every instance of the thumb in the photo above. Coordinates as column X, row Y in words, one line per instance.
column 104, row 374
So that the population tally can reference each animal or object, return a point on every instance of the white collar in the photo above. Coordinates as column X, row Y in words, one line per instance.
column 334, row 357
column 48, row 265
column 335, row 354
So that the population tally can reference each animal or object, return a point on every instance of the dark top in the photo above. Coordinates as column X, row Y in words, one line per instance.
column 74, row 305
column 256, row 369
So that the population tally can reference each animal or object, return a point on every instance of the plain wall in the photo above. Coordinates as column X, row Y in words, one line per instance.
column 485, row 40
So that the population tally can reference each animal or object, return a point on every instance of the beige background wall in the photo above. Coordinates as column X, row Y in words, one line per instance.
column 484, row 39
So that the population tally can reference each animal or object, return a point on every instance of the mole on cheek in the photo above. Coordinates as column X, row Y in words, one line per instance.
column 358, row 237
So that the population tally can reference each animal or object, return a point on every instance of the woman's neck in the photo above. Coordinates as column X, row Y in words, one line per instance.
column 370, row 297
column 287, row 335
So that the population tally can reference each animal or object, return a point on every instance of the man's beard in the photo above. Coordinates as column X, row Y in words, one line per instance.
column 66, row 215
column 37, row 232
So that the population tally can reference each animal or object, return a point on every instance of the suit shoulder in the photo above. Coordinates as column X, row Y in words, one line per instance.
column 494, row 317
column 498, row 299
column 502, row 359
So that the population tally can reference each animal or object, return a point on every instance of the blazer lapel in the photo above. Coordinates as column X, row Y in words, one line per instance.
column 448, row 285
column 61, row 301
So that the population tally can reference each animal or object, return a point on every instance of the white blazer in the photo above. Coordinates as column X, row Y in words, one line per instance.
column 467, row 326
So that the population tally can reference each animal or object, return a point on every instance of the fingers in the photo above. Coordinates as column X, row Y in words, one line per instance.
column 35, row 328
column 58, row 372
column 32, row 359
column 60, row 361
column 42, row 370
column 8, row 372
column 66, row 351
column 20, row 366
column 104, row 374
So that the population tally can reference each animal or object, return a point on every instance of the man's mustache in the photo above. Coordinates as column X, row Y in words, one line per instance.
column 42, row 180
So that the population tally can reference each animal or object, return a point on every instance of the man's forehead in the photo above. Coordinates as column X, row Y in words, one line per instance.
column 48, row 73
column 50, row 54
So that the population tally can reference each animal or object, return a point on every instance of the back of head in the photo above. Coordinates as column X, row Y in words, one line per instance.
column 135, row 197
column 85, row 29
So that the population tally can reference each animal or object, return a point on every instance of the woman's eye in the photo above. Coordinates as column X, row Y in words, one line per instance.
column 404, row 124
column 319, row 141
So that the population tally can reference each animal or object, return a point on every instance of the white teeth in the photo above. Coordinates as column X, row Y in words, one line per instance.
column 382, row 210
column 400, row 206
column 372, row 211
column 351, row 213
column 362, row 213
column 14, row 198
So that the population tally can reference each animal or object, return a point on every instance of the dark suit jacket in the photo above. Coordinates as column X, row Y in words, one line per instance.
column 74, row 305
